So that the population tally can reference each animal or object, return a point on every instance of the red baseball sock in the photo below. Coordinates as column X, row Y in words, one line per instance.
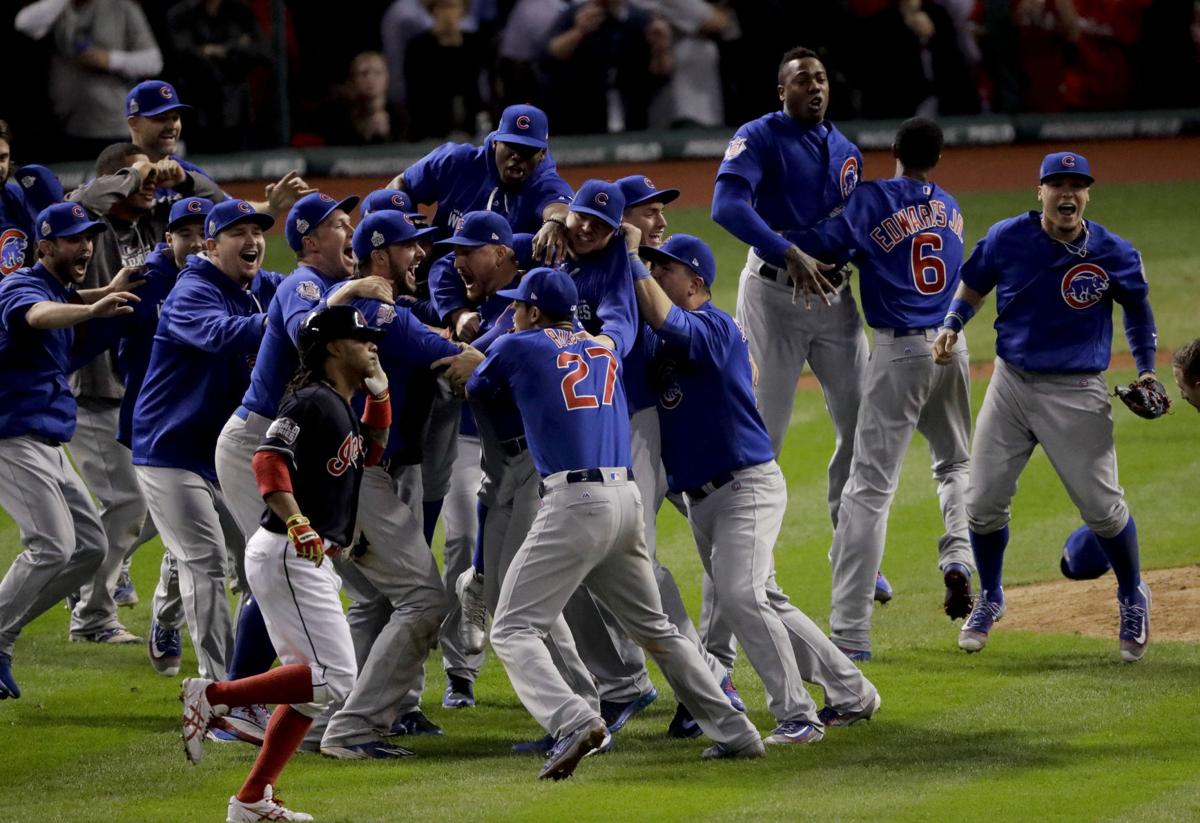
column 283, row 684
column 285, row 733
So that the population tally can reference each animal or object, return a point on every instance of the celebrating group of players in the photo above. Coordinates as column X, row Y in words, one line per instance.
column 549, row 363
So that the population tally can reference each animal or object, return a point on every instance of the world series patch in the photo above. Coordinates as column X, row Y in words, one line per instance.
column 284, row 429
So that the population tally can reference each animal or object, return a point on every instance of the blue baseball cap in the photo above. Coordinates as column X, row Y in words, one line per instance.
column 66, row 220
column 1066, row 162
column 1082, row 557
column 384, row 228
column 524, row 125
column 600, row 199
column 310, row 211
column 687, row 249
column 40, row 187
column 188, row 209
column 522, row 246
column 230, row 212
column 389, row 199
column 639, row 189
column 151, row 97
column 551, row 290
column 478, row 228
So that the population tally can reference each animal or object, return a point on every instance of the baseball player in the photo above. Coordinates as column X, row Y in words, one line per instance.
column 588, row 529
column 735, row 493
column 40, row 310
column 399, row 600
column 1056, row 277
column 309, row 468
column 1185, row 366
column 210, row 327
column 31, row 189
column 905, row 237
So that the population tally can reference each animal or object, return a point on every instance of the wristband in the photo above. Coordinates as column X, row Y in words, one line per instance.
column 378, row 411
column 959, row 313
column 297, row 519
column 637, row 268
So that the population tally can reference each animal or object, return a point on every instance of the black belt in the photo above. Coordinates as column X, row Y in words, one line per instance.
column 584, row 476
column 514, row 446
column 837, row 278
column 45, row 441
column 909, row 332
column 701, row 492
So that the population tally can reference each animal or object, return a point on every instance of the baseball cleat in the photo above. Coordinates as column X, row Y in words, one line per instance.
column 269, row 808
column 371, row 750
column 856, row 655
column 795, row 732
column 606, row 745
column 617, row 714
column 958, row 591
column 198, row 715
column 8, row 686
column 731, row 693
column 540, row 747
column 683, row 725
column 414, row 723
column 974, row 634
column 117, row 636
column 125, row 594
column 1135, row 624
column 883, row 589
column 566, row 754
column 829, row 716
column 472, row 627
column 723, row 751
column 165, row 647
column 460, row 693
column 243, row 723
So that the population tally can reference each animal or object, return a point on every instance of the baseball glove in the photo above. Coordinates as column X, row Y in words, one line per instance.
column 1146, row 398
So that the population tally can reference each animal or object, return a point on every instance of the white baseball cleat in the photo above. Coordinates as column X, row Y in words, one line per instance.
column 1135, row 624
column 198, row 715
column 266, row 809
column 472, row 628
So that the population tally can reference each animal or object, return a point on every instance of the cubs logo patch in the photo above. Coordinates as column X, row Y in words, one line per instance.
column 849, row 176
column 670, row 397
column 385, row 315
column 649, row 183
column 1084, row 285
column 1068, row 161
column 77, row 213
column 398, row 201
column 325, row 198
column 284, row 429
column 194, row 206
column 523, row 122
column 302, row 225
column 242, row 206
column 308, row 290
column 13, row 243
column 601, row 198
column 166, row 92
column 408, row 219
column 736, row 146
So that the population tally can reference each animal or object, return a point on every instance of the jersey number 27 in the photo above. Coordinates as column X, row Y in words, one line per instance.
column 579, row 371
column 928, row 270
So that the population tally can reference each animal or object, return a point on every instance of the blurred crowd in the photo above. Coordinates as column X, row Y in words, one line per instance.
column 378, row 71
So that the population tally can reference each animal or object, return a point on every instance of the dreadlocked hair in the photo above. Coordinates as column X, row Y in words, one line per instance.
column 302, row 377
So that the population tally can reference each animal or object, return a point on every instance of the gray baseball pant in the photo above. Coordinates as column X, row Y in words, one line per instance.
column 905, row 391
column 591, row 534
column 59, row 526
column 167, row 603
column 736, row 527
column 1071, row 417
column 440, row 444
column 185, row 506
column 238, row 441
column 107, row 468
column 398, row 569
column 460, row 523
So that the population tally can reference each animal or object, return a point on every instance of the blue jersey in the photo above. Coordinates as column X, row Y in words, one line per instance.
column 162, row 195
column 277, row 358
column 799, row 174
column 406, row 352
column 607, row 304
column 906, row 237
column 18, row 246
column 34, row 395
column 462, row 178
column 569, row 394
column 1053, row 307
column 208, row 334
column 133, row 349
column 710, row 424
column 446, row 290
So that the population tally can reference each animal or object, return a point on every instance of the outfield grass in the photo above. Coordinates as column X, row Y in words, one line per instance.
column 1036, row 727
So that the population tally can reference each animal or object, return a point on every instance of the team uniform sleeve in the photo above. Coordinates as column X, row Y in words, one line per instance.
column 423, row 345
column 296, row 416
column 1133, row 293
column 502, row 326
column 549, row 188
column 834, row 239
column 446, row 289
column 104, row 192
column 423, row 180
column 978, row 272
column 618, row 310
column 697, row 335
column 732, row 211
column 197, row 318
column 294, row 306
column 15, row 303
column 491, row 377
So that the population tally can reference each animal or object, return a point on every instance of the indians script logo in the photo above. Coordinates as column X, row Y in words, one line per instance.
column 349, row 454
column 1084, row 285
column 12, row 250
column 849, row 176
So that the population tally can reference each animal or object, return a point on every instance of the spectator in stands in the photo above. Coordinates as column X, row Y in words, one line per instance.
column 404, row 20
column 1047, row 40
column 519, row 78
column 99, row 46
column 605, row 62
column 693, row 96
column 360, row 114
column 913, row 64
column 214, row 45
column 443, row 68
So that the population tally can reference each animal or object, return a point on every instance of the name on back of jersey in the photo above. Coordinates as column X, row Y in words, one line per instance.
column 913, row 220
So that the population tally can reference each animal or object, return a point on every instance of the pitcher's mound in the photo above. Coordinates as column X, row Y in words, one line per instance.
column 1089, row 607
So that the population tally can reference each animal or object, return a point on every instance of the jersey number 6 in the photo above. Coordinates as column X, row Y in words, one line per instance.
column 928, row 270
column 579, row 371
